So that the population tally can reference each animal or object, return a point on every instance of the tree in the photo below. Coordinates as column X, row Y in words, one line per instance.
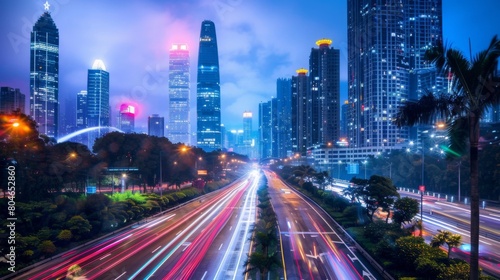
column 262, row 263
column 47, row 247
column 79, row 226
column 304, row 171
column 445, row 237
column 474, row 90
column 379, row 192
column 405, row 209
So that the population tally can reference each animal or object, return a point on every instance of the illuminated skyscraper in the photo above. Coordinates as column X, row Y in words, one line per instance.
column 44, row 75
column 284, row 96
column 248, row 142
column 81, row 109
column 179, row 126
column 386, row 43
column 208, row 91
column 324, row 76
column 301, row 112
column 98, row 95
column 127, row 118
column 156, row 125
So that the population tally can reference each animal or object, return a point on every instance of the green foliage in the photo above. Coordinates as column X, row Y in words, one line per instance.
column 65, row 235
column 458, row 271
column 378, row 230
column 405, row 209
column 408, row 249
column 79, row 226
column 47, row 247
column 127, row 195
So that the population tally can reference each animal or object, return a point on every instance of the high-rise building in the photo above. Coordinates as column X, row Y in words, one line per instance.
column 81, row 109
column 301, row 112
column 284, row 99
column 247, row 143
column 127, row 118
column 344, row 119
column 179, row 125
column 11, row 100
column 98, row 95
column 265, row 129
column 423, row 25
column 44, row 75
column 156, row 125
column 208, row 91
column 387, row 41
column 324, row 77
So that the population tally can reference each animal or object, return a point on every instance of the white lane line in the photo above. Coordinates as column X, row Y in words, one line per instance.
column 156, row 249
column 230, row 228
column 105, row 257
column 220, row 246
column 204, row 274
column 120, row 275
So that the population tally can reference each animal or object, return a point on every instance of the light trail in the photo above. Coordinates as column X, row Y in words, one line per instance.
column 248, row 204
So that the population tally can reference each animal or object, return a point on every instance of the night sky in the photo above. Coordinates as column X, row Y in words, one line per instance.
column 259, row 41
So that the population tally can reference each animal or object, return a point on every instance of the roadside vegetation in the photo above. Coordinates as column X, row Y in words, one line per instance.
column 264, row 258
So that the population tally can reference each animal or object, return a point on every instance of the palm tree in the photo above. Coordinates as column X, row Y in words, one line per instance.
column 475, row 90
column 445, row 237
column 264, row 264
column 304, row 171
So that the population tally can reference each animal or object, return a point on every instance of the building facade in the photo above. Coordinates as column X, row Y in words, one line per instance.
column 284, row 99
column 44, row 75
column 208, row 100
column 127, row 118
column 301, row 112
column 11, row 99
column 179, row 90
column 387, row 40
column 156, row 125
column 324, row 76
column 81, row 110
column 98, row 95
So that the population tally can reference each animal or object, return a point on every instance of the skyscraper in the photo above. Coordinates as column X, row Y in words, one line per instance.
column 378, row 71
column 98, row 95
column 127, row 118
column 386, row 43
column 11, row 99
column 156, row 125
column 301, row 112
column 81, row 110
column 247, row 144
column 44, row 75
column 208, row 91
column 324, row 75
column 284, row 96
column 265, row 129
column 179, row 126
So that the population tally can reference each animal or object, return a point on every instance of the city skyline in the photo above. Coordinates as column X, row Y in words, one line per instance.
column 254, row 50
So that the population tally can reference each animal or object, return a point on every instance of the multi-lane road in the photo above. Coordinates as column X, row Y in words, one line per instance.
column 311, row 249
column 204, row 239
column 438, row 214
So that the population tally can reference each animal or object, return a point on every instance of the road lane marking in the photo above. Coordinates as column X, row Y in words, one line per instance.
column 220, row 246
column 156, row 249
column 105, row 257
column 120, row 275
column 204, row 274
column 230, row 228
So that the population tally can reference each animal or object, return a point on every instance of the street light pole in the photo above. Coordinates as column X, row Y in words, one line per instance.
column 459, row 165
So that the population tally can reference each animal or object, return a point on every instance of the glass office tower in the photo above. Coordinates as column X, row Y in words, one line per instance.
column 208, row 91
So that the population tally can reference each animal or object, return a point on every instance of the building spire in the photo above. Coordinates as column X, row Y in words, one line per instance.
column 46, row 6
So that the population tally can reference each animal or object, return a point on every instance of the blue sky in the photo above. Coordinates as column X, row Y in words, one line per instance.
column 259, row 41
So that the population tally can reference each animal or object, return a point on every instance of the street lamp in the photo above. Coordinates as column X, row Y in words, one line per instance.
column 124, row 176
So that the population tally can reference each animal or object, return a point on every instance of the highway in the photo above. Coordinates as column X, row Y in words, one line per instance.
column 439, row 214
column 311, row 249
column 200, row 240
